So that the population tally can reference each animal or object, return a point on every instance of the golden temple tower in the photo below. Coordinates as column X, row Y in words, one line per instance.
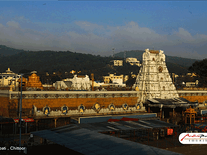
column 34, row 81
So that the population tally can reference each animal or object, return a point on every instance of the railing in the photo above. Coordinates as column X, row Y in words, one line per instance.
column 72, row 94
column 192, row 93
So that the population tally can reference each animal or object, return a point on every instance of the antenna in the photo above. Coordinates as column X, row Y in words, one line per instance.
column 113, row 52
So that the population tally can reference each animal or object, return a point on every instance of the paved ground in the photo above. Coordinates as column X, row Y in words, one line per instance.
column 199, row 149
column 55, row 148
column 37, row 149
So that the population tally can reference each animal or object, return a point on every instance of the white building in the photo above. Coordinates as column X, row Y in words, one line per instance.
column 81, row 83
column 118, row 62
column 76, row 83
column 118, row 81
column 153, row 79
column 191, row 84
column 60, row 85
column 112, row 77
column 133, row 61
column 9, row 78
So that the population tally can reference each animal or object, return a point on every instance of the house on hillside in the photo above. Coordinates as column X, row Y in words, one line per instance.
column 133, row 61
column 117, row 62
column 114, row 78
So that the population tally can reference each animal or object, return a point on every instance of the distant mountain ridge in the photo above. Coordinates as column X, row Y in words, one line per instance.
column 51, row 61
column 6, row 51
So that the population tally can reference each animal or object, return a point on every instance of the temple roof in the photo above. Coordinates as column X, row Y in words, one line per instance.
column 154, row 51
column 172, row 103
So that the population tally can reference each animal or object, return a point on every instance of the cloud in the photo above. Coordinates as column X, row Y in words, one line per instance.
column 86, row 37
column 12, row 24
column 1, row 26
column 22, row 19
column 183, row 35
column 137, row 37
column 87, row 26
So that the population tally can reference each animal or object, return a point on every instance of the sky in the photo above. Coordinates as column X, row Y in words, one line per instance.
column 179, row 28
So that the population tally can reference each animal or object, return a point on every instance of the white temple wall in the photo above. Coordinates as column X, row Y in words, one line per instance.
column 154, row 79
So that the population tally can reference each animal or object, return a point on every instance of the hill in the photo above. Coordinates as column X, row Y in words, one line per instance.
column 50, row 61
column 5, row 51
column 176, row 65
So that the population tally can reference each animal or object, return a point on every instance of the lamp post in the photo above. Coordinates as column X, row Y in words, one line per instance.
column 20, row 115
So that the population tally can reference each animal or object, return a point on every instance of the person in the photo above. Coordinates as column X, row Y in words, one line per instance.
column 31, row 139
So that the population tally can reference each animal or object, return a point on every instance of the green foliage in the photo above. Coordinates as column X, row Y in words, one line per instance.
column 199, row 67
column 50, row 61
column 5, row 51
column 133, row 53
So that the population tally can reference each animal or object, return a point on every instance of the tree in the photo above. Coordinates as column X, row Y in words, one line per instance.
column 131, row 81
column 25, row 71
column 55, row 78
column 199, row 68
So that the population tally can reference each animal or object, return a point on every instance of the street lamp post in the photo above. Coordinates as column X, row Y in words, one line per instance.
column 20, row 115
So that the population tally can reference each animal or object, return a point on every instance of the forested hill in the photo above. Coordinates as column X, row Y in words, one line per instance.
column 5, row 51
column 176, row 65
column 172, row 59
column 50, row 61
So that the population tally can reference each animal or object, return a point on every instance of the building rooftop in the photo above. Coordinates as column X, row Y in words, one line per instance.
column 172, row 103
column 85, row 139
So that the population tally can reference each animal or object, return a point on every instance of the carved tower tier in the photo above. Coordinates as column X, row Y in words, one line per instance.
column 153, row 79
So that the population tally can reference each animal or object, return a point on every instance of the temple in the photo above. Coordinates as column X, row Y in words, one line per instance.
column 33, row 82
column 153, row 79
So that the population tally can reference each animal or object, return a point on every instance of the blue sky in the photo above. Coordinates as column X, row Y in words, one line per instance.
column 178, row 28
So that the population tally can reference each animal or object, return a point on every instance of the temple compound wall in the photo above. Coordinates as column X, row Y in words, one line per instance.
column 68, row 103
column 72, row 103
column 193, row 96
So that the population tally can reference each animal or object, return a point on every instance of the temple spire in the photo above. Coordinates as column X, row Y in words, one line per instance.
column 153, row 79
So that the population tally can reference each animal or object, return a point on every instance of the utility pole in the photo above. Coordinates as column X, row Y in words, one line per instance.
column 92, row 79
column 20, row 115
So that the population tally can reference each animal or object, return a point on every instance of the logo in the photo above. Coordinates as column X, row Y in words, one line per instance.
column 193, row 138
